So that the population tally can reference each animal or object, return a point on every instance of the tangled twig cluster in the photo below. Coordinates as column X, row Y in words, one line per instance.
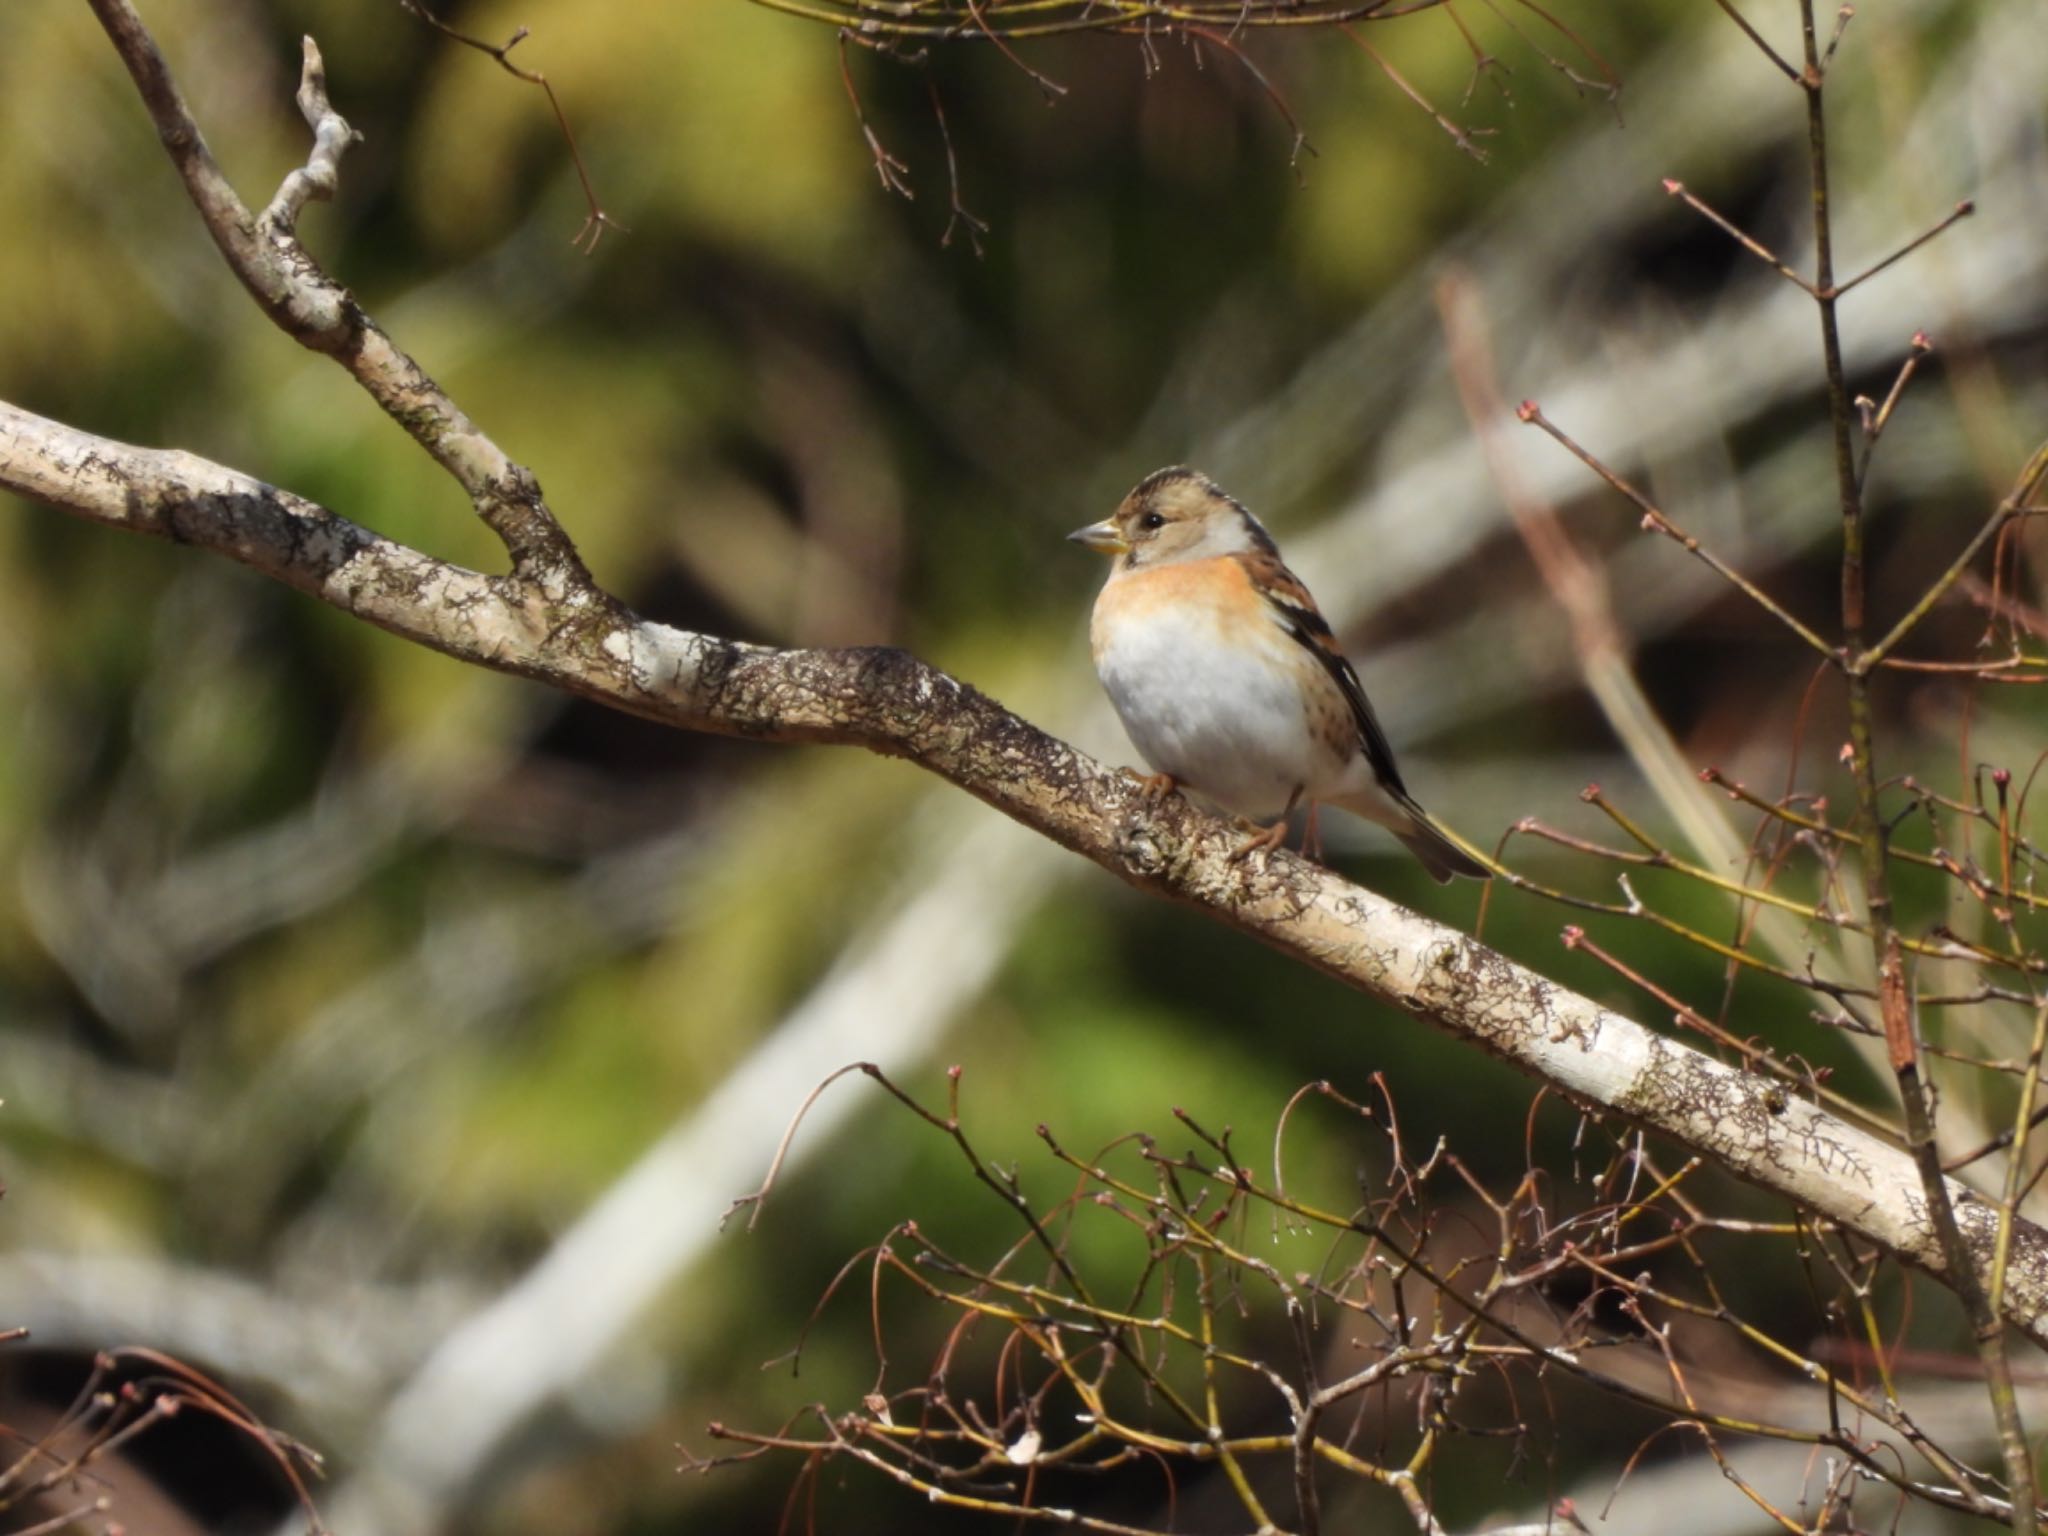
column 56, row 1480
column 1179, row 1312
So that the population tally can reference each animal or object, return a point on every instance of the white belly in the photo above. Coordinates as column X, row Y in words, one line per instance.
column 1223, row 720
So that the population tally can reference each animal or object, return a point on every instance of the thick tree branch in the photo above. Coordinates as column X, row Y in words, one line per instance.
column 892, row 703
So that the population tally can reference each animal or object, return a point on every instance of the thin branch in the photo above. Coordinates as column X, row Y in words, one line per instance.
column 1961, row 210
column 1877, row 417
column 757, row 1199
column 1656, row 521
column 1459, row 136
column 1223, row 43
column 1843, row 17
column 1756, row 37
column 1741, row 237
column 1484, row 64
column 892, row 172
column 957, row 213
column 323, row 316
column 1939, row 589
column 1609, row 83
column 1002, row 23
column 596, row 221
column 332, row 136
column 2016, row 1164
column 1050, row 87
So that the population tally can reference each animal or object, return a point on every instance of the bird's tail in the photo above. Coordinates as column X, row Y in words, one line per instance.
column 1439, row 855
column 1431, row 845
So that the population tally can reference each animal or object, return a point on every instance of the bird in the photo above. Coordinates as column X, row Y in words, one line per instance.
column 1228, row 680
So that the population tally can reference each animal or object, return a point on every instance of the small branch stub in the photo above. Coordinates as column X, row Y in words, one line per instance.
column 332, row 136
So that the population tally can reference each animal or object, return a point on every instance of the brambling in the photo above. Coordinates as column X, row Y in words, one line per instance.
column 1228, row 679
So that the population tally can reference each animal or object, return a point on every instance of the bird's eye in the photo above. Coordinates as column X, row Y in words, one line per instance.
column 1151, row 522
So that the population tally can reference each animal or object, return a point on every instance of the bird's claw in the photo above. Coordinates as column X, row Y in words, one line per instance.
column 1264, row 839
column 1153, row 788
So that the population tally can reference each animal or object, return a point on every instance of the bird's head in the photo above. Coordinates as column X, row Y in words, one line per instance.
column 1174, row 514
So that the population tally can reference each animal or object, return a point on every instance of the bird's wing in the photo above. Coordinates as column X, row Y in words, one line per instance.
column 1296, row 612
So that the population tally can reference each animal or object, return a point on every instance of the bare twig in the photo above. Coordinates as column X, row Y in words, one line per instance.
column 323, row 316
column 1459, row 136
column 947, row 20
column 1223, row 43
column 1961, row 210
column 1777, row 59
column 1876, row 417
column 957, row 214
column 332, row 136
column 1656, row 521
column 596, row 221
column 892, row 172
column 1740, row 236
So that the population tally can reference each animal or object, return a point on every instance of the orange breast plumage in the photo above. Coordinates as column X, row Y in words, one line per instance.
column 1212, row 689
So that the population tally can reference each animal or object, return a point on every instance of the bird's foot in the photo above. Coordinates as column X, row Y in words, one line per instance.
column 1262, row 839
column 1154, row 787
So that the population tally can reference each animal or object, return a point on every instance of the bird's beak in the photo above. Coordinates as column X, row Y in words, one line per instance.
column 1101, row 537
